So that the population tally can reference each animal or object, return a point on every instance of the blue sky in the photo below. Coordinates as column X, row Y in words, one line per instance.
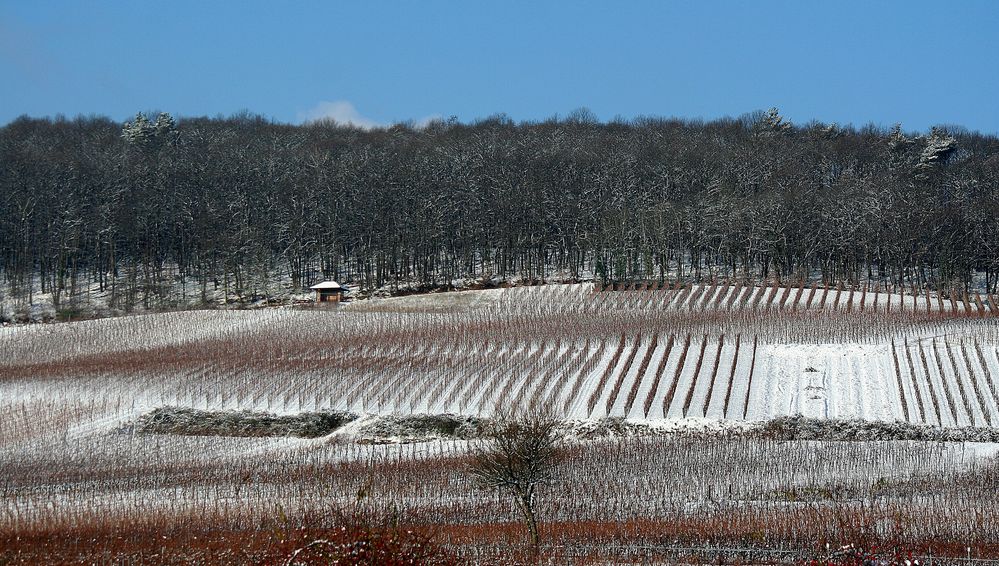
column 916, row 62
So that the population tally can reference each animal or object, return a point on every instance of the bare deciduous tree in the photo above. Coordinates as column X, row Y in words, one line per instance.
column 516, row 453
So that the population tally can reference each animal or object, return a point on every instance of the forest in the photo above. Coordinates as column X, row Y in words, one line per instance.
column 243, row 203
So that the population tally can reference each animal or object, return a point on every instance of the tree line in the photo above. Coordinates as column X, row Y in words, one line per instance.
column 243, row 204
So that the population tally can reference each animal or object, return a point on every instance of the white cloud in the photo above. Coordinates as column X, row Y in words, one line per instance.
column 341, row 112
column 424, row 122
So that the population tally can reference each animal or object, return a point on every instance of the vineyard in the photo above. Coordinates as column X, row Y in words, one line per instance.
column 707, row 352
column 709, row 359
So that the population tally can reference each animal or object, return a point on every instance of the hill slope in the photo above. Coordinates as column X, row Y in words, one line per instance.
column 703, row 352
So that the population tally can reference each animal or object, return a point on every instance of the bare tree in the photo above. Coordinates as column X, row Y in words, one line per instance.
column 516, row 453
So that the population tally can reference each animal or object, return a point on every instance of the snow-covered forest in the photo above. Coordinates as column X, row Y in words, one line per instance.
column 234, row 206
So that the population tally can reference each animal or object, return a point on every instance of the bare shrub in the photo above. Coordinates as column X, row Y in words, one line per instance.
column 192, row 422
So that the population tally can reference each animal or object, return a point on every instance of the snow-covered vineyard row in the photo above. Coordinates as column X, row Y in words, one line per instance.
column 739, row 302
column 637, row 490
column 813, row 297
column 937, row 382
column 641, row 354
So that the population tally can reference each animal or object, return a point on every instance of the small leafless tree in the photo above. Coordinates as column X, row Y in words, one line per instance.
column 516, row 453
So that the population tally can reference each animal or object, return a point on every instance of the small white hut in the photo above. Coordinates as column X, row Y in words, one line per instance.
column 328, row 292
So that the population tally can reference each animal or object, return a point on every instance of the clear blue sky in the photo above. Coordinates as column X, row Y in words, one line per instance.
column 911, row 61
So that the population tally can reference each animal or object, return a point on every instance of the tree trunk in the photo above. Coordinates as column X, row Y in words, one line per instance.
column 527, row 509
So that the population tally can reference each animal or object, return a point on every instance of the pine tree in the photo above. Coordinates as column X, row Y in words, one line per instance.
column 150, row 135
column 939, row 146
column 772, row 123
column 139, row 131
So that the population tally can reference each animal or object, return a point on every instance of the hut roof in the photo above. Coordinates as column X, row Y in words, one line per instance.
column 326, row 285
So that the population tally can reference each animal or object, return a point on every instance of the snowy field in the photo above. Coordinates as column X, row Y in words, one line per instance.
column 703, row 358
column 725, row 353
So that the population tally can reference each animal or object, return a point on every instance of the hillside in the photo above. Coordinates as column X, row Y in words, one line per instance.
column 698, row 352
column 728, row 403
